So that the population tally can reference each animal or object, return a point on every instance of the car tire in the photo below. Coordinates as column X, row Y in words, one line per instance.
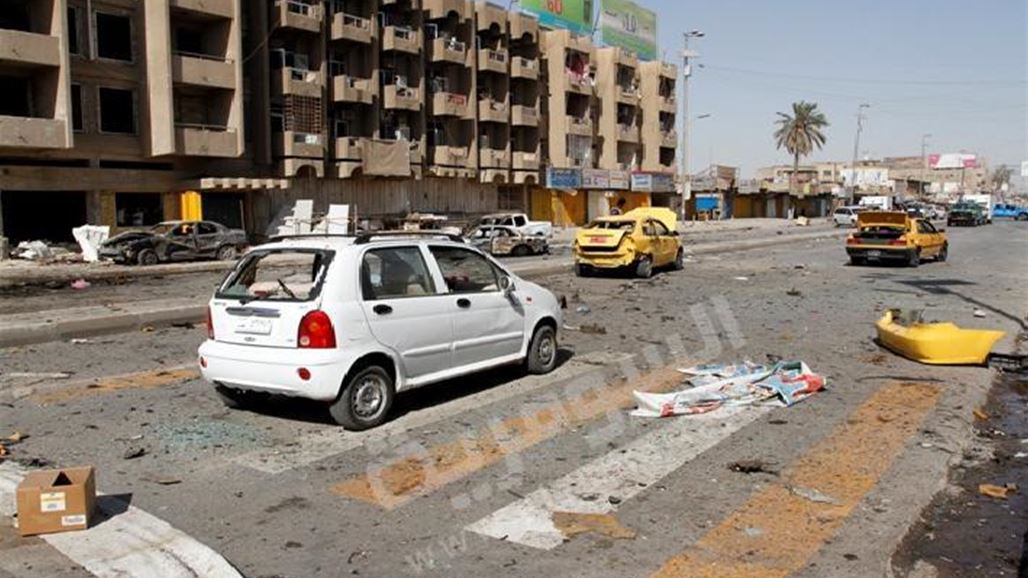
column 365, row 400
column 644, row 267
column 582, row 270
column 857, row 261
column 943, row 253
column 147, row 258
column 542, row 351
column 914, row 259
column 680, row 260
column 521, row 251
column 235, row 398
column 225, row 253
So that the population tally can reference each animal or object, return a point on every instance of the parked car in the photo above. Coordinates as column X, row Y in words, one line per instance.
column 1008, row 211
column 846, row 216
column 967, row 214
column 501, row 240
column 175, row 241
column 519, row 221
column 895, row 236
column 352, row 321
column 641, row 240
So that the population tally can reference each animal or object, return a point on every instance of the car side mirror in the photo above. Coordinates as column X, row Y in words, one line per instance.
column 506, row 285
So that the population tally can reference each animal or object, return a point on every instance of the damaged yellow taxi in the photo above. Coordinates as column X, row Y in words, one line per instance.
column 895, row 236
column 641, row 241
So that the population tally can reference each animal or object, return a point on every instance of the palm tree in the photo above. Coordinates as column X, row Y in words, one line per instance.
column 799, row 133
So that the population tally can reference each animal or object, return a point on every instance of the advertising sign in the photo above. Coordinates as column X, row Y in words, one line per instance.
column 653, row 182
column 626, row 24
column 574, row 15
column 953, row 161
column 563, row 178
column 595, row 179
column 620, row 180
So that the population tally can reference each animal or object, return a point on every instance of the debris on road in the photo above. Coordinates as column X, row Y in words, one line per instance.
column 715, row 386
column 594, row 329
column 752, row 467
column 572, row 524
column 741, row 278
column 133, row 453
column 583, row 309
column 33, row 251
column 903, row 333
column 812, row 495
column 979, row 413
column 51, row 501
column 162, row 480
column 89, row 238
column 78, row 341
column 997, row 492
column 979, row 313
column 80, row 284
column 794, row 292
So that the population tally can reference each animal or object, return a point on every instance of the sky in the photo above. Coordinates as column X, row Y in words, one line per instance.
column 954, row 69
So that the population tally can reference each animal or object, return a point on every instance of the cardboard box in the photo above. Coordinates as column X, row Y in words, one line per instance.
column 52, row 501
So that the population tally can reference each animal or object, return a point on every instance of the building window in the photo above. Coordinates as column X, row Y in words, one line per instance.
column 16, row 97
column 117, row 111
column 138, row 209
column 76, row 107
column 74, row 47
column 113, row 37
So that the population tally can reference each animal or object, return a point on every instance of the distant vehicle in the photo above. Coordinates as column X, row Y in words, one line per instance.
column 352, row 321
column 640, row 240
column 175, row 241
column 966, row 214
column 983, row 201
column 1007, row 211
column 895, row 236
column 519, row 221
column 500, row 240
column 916, row 212
column 881, row 203
column 846, row 216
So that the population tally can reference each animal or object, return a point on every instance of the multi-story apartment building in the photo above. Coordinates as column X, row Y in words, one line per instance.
column 112, row 110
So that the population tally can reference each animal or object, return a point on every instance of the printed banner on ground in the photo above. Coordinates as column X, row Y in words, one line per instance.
column 626, row 24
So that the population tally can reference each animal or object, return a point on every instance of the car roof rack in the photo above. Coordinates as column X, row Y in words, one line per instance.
column 292, row 236
column 366, row 237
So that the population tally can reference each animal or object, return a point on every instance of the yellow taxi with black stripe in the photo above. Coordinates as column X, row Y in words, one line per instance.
column 641, row 240
column 895, row 236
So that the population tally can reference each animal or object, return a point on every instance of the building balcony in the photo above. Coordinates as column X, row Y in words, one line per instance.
column 401, row 98
column 299, row 15
column 448, row 155
column 489, row 16
column 296, row 82
column 29, row 49
column 490, row 110
column 628, row 133
column 352, row 28
column 524, row 28
column 668, row 71
column 626, row 58
column 33, row 133
column 579, row 125
column 667, row 103
column 524, row 115
column 449, row 104
column 298, row 144
column 203, row 70
column 494, row 158
column 522, row 161
column 628, row 95
column 219, row 8
column 490, row 60
column 353, row 90
column 527, row 68
column 579, row 83
column 401, row 39
column 669, row 138
column 350, row 148
column 448, row 50
column 206, row 141
column 436, row 9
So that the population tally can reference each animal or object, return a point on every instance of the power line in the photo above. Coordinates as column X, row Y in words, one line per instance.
column 868, row 80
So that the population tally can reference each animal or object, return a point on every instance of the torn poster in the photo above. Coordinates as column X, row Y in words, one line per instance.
column 714, row 386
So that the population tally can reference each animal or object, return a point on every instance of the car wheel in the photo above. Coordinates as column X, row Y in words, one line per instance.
column 856, row 261
column 914, row 260
column 582, row 270
column 680, row 260
column 644, row 267
column 943, row 253
column 365, row 400
column 147, row 257
column 226, row 253
column 235, row 398
column 521, row 251
column 542, row 351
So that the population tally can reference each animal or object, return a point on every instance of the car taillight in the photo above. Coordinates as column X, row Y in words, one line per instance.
column 900, row 241
column 210, row 324
column 316, row 331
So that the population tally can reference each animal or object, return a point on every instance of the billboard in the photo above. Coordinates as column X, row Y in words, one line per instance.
column 626, row 24
column 574, row 15
column 953, row 161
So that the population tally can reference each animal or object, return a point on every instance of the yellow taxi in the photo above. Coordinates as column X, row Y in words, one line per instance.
column 895, row 236
column 641, row 240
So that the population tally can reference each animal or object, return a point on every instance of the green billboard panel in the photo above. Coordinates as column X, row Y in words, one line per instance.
column 574, row 15
column 626, row 24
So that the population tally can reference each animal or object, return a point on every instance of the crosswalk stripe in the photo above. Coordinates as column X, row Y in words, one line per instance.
column 334, row 441
column 401, row 480
column 622, row 473
column 788, row 522
column 129, row 543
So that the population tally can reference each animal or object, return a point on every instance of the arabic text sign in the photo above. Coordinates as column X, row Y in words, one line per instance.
column 626, row 24
column 574, row 15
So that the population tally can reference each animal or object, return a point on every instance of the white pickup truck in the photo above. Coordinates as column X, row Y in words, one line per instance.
column 520, row 222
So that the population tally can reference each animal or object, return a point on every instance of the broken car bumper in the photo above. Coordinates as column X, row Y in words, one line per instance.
column 605, row 260
column 880, row 253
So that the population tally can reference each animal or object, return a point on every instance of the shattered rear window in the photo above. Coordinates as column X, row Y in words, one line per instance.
column 612, row 225
column 277, row 275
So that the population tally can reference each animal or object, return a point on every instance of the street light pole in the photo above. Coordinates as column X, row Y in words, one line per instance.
column 924, row 160
column 686, row 123
column 856, row 151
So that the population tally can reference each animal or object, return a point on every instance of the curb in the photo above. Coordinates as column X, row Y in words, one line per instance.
column 129, row 321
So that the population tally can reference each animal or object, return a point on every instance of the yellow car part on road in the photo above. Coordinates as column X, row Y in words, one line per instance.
column 936, row 343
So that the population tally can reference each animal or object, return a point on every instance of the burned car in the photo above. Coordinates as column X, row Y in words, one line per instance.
column 175, row 241
column 504, row 240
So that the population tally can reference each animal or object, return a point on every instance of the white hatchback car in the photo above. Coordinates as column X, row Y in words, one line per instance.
column 847, row 216
column 351, row 321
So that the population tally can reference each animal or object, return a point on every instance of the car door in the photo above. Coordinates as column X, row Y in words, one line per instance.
column 668, row 244
column 935, row 237
column 182, row 242
column 208, row 237
column 924, row 240
column 656, row 244
column 488, row 324
column 405, row 309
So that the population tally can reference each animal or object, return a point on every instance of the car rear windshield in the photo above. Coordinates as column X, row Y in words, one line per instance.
column 277, row 275
column 613, row 225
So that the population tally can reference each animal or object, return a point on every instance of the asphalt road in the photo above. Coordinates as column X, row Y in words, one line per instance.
column 507, row 475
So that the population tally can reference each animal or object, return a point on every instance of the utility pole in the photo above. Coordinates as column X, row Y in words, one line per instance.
column 924, row 161
column 686, row 123
column 856, row 151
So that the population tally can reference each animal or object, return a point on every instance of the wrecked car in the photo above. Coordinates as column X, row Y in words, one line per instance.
column 894, row 235
column 175, row 241
column 640, row 240
column 501, row 240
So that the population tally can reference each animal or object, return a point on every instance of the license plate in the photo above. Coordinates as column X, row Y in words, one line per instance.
column 598, row 240
column 874, row 254
column 254, row 326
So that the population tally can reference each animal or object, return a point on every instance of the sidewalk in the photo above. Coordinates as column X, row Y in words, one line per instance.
column 57, row 324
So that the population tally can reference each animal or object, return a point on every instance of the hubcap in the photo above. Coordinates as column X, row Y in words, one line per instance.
column 546, row 350
column 369, row 397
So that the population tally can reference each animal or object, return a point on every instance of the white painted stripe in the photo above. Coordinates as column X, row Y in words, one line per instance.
column 622, row 472
column 129, row 542
column 333, row 441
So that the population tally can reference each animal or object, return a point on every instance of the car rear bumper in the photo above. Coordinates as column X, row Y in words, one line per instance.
column 275, row 370
column 605, row 260
column 872, row 253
